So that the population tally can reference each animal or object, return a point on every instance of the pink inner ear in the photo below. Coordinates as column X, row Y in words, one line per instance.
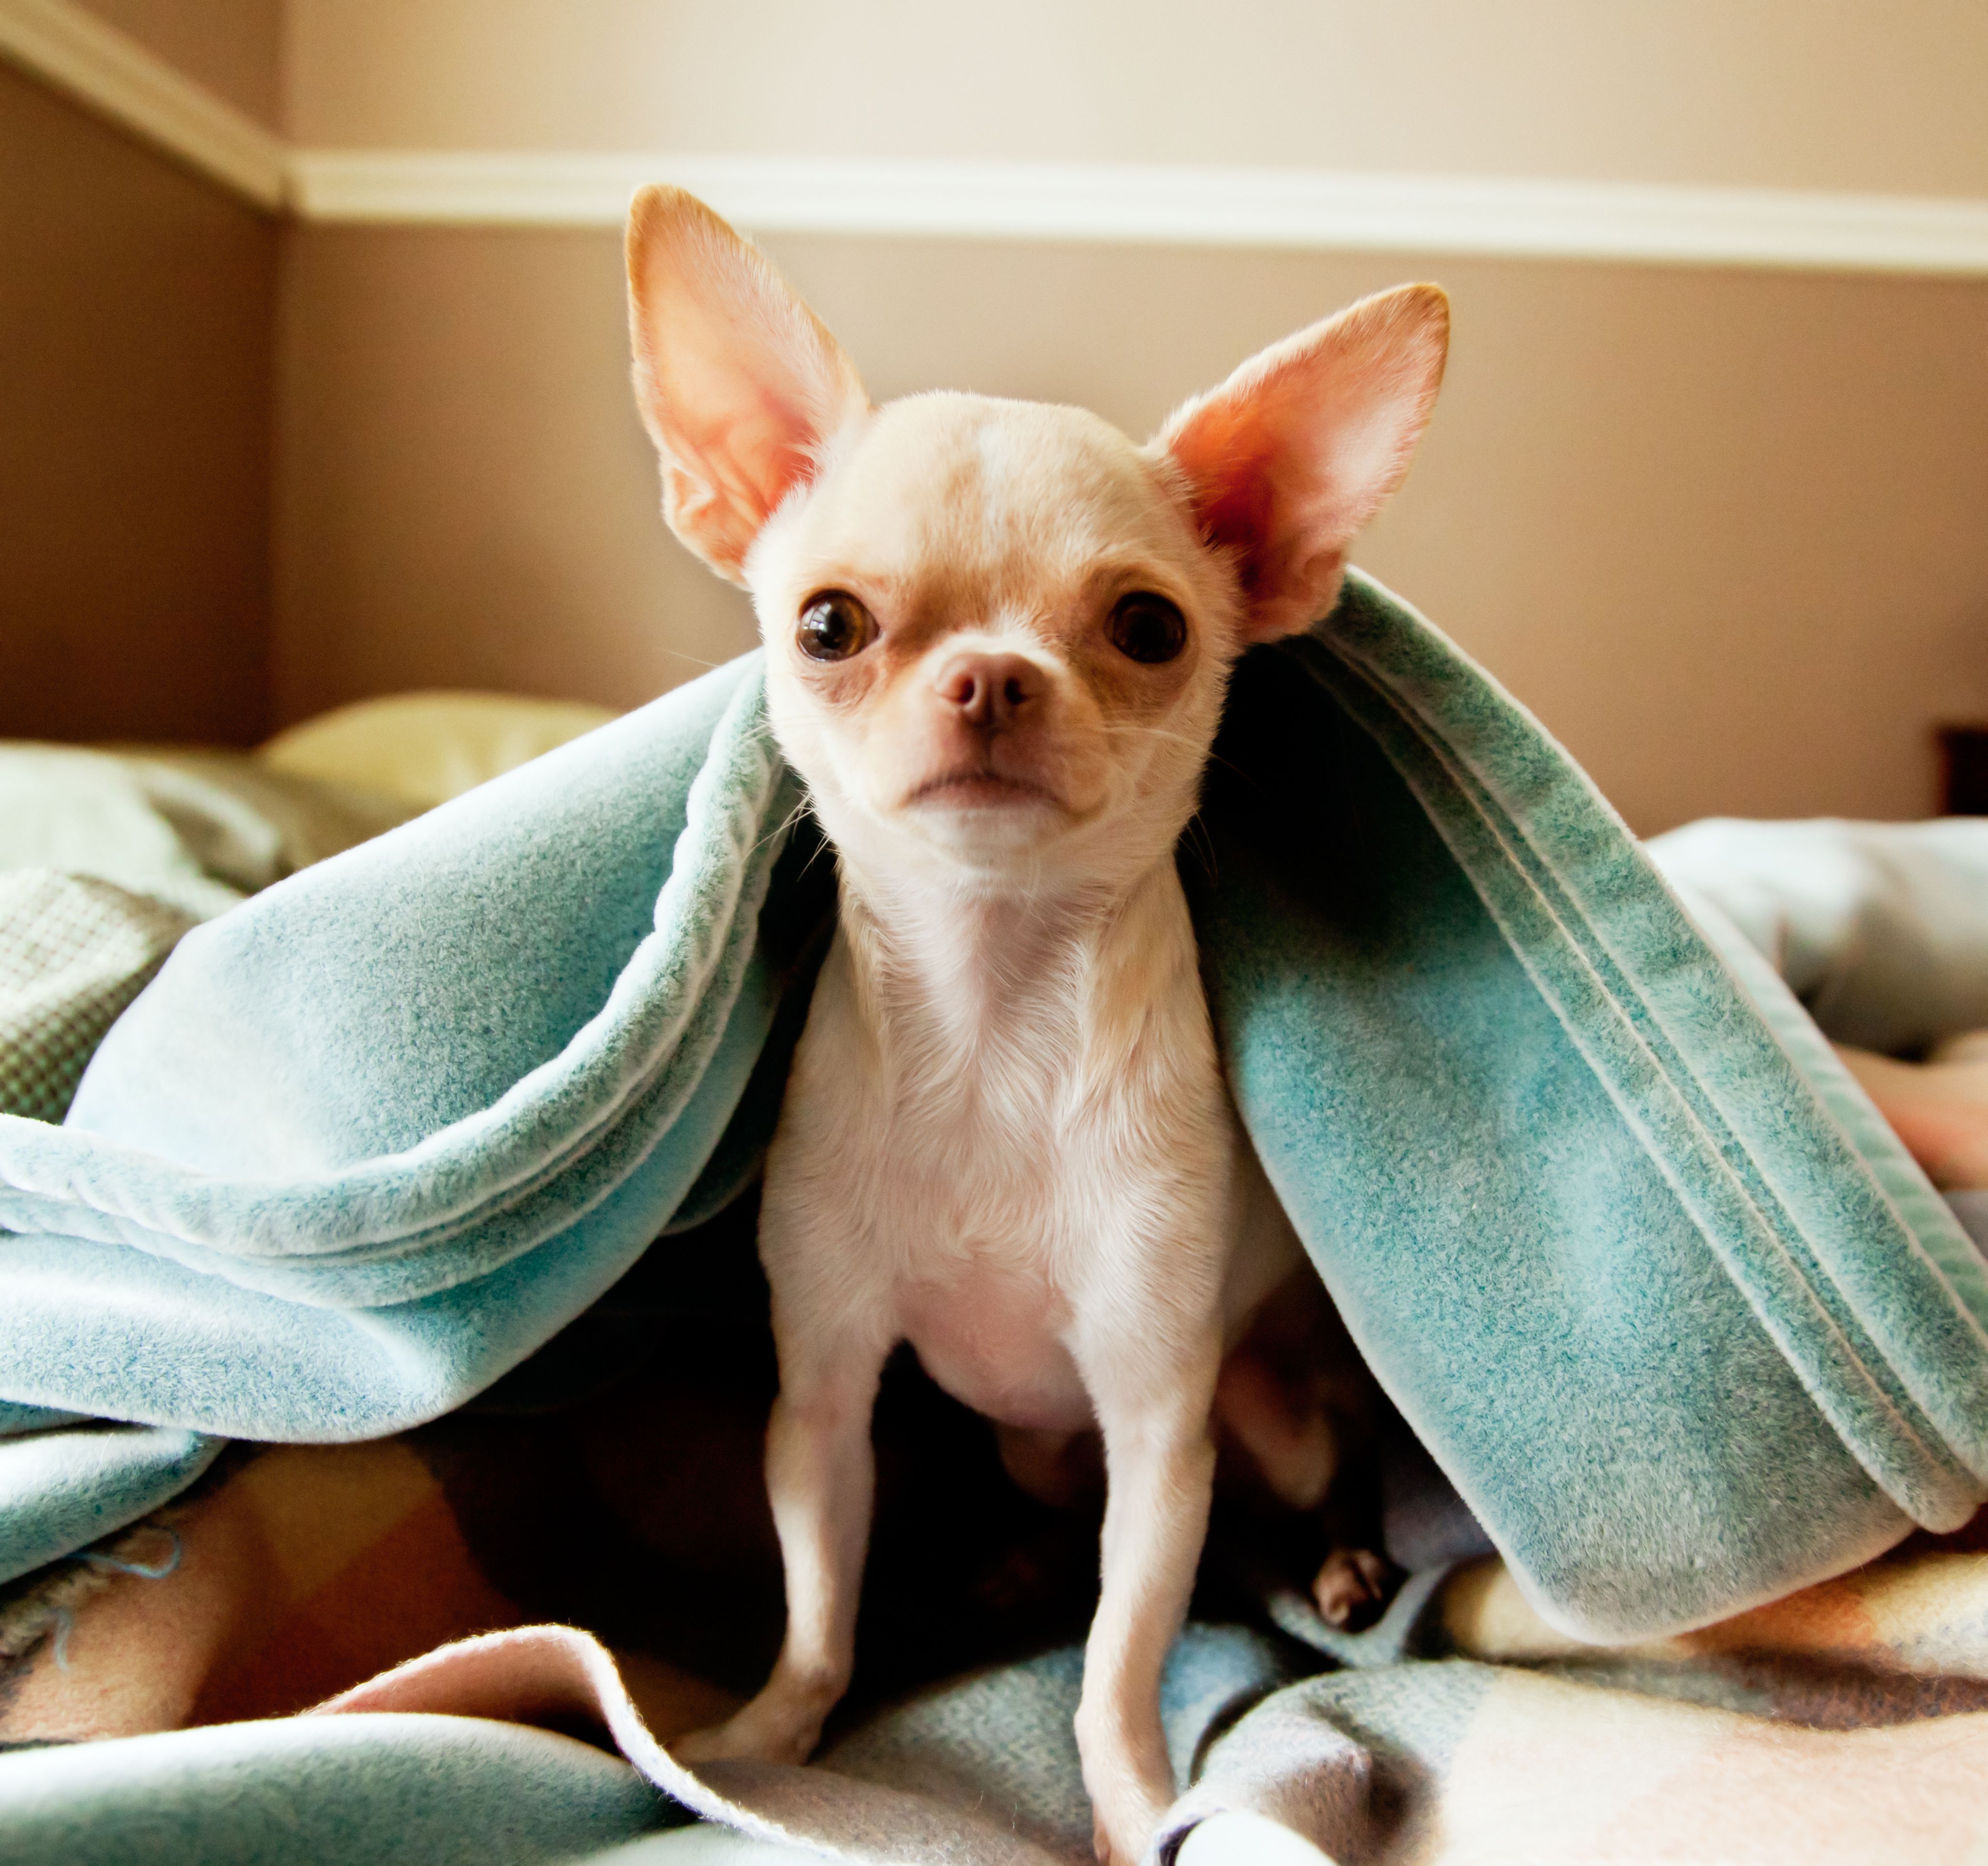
column 1268, row 497
column 736, row 430
column 730, row 421
column 1291, row 456
column 1235, row 492
column 740, row 384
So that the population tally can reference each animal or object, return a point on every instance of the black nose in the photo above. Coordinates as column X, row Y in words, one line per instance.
column 988, row 690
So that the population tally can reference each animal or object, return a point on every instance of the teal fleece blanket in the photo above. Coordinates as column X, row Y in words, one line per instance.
column 1636, row 1258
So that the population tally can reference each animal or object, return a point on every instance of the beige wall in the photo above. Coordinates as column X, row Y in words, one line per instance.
column 136, row 311
column 232, row 47
column 1855, row 94
column 465, row 497
column 1723, row 531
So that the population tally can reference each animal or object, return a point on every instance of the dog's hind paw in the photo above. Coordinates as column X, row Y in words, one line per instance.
column 763, row 1732
column 1353, row 1587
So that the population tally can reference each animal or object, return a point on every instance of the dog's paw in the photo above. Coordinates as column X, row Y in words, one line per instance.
column 763, row 1732
column 1353, row 1587
column 1109, row 1852
column 1126, row 1815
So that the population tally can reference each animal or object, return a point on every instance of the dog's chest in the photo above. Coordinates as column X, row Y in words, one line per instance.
column 1006, row 1207
column 991, row 1190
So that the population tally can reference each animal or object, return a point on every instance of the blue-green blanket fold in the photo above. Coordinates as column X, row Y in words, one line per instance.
column 1632, row 1253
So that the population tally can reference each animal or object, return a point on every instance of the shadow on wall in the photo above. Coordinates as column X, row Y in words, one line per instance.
column 136, row 336
column 464, row 495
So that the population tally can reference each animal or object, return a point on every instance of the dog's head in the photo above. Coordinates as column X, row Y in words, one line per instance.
column 998, row 633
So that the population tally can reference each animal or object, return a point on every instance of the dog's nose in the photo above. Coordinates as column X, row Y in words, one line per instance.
column 989, row 690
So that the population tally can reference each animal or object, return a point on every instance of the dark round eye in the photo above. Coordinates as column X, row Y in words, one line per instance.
column 1147, row 627
column 833, row 626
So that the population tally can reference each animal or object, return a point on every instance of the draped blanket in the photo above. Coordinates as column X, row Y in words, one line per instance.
column 1630, row 1251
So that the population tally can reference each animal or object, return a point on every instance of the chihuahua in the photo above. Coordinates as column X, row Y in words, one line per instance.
column 998, row 637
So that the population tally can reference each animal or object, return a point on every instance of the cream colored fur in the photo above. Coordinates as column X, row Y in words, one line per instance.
column 1006, row 1138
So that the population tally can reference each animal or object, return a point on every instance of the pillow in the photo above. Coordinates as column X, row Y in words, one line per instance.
column 429, row 747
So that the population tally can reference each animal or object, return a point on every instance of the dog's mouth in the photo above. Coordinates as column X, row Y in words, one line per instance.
column 981, row 790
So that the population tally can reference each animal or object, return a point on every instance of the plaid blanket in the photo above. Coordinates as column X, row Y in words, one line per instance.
column 74, row 952
column 106, row 860
column 404, row 1586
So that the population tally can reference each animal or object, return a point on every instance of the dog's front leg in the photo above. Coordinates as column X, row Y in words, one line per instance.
column 821, row 1480
column 1159, row 1458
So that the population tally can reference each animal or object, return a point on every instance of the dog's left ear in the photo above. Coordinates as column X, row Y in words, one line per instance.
column 1297, row 451
column 739, row 384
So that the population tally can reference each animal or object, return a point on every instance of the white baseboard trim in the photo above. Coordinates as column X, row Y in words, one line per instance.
column 1094, row 203
column 75, row 52
column 1615, row 221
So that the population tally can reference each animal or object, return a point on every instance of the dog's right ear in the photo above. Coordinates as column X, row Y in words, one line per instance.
column 1302, row 445
column 740, row 384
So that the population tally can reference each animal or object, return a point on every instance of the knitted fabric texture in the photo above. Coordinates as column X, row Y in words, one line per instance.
column 74, row 952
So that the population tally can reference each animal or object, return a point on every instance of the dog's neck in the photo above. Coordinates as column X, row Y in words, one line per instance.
column 970, row 966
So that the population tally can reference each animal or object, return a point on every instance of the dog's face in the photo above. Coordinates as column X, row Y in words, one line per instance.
column 998, row 633
column 995, row 645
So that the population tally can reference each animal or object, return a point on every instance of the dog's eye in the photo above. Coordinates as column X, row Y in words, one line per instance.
column 1147, row 627
column 834, row 626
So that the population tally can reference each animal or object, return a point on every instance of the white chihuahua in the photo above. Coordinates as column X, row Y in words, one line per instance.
column 998, row 637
